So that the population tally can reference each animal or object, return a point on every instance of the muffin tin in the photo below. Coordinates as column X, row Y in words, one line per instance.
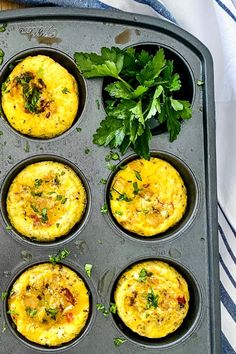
column 191, row 246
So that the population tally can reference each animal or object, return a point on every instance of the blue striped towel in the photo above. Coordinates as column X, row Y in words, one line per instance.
column 214, row 23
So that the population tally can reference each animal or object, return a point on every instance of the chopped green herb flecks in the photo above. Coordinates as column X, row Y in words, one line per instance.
column 36, row 194
column 112, row 308
column 59, row 256
column 65, row 90
column 57, row 181
column 124, row 197
column 44, row 215
column 103, row 181
column 152, row 300
column 111, row 167
column 4, row 295
column 102, row 308
column 12, row 312
column 104, row 209
column 37, row 182
column 78, row 130
column 200, row 82
column 143, row 274
column 35, row 209
column 98, row 104
column 3, row 27
column 8, row 227
column 136, row 189
column 120, row 213
column 1, row 133
column 119, row 341
column 1, row 56
column 52, row 312
column 31, row 312
column 27, row 147
column 138, row 176
column 87, row 151
column 88, row 269
column 112, row 156
column 63, row 200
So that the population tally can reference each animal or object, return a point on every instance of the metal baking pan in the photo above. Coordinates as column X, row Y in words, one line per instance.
column 191, row 246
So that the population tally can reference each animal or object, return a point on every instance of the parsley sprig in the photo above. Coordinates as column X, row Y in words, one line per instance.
column 143, row 87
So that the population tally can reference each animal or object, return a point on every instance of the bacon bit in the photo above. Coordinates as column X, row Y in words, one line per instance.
column 36, row 219
column 69, row 317
column 181, row 301
column 69, row 297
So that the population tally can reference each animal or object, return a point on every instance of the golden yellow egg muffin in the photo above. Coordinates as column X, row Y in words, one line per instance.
column 45, row 200
column 152, row 299
column 40, row 97
column 49, row 304
column 148, row 197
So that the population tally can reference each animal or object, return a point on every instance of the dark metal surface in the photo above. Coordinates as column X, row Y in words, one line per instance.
column 191, row 247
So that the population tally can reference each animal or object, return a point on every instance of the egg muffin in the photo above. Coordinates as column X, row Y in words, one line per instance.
column 152, row 299
column 40, row 97
column 45, row 200
column 148, row 197
column 49, row 304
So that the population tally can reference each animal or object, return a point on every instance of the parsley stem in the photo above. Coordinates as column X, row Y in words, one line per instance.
column 126, row 83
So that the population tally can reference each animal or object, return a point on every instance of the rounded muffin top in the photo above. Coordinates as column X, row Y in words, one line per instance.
column 40, row 97
column 148, row 197
column 152, row 299
column 49, row 304
column 45, row 200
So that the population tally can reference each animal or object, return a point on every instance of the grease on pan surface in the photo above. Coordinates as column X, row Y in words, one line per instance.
column 148, row 197
column 49, row 304
column 152, row 299
column 40, row 97
column 45, row 200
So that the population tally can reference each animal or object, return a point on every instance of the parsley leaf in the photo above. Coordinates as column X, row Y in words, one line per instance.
column 152, row 69
column 1, row 56
column 138, row 175
column 136, row 189
column 4, row 295
column 52, row 312
column 65, row 90
column 102, row 308
column 143, row 274
column 44, row 215
column 104, row 209
column 37, row 182
column 31, row 312
column 59, row 256
column 152, row 300
column 112, row 308
column 119, row 341
column 3, row 27
column 109, row 63
column 88, row 269
column 200, row 82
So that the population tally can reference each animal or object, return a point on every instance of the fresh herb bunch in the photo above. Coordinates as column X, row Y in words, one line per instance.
column 143, row 88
